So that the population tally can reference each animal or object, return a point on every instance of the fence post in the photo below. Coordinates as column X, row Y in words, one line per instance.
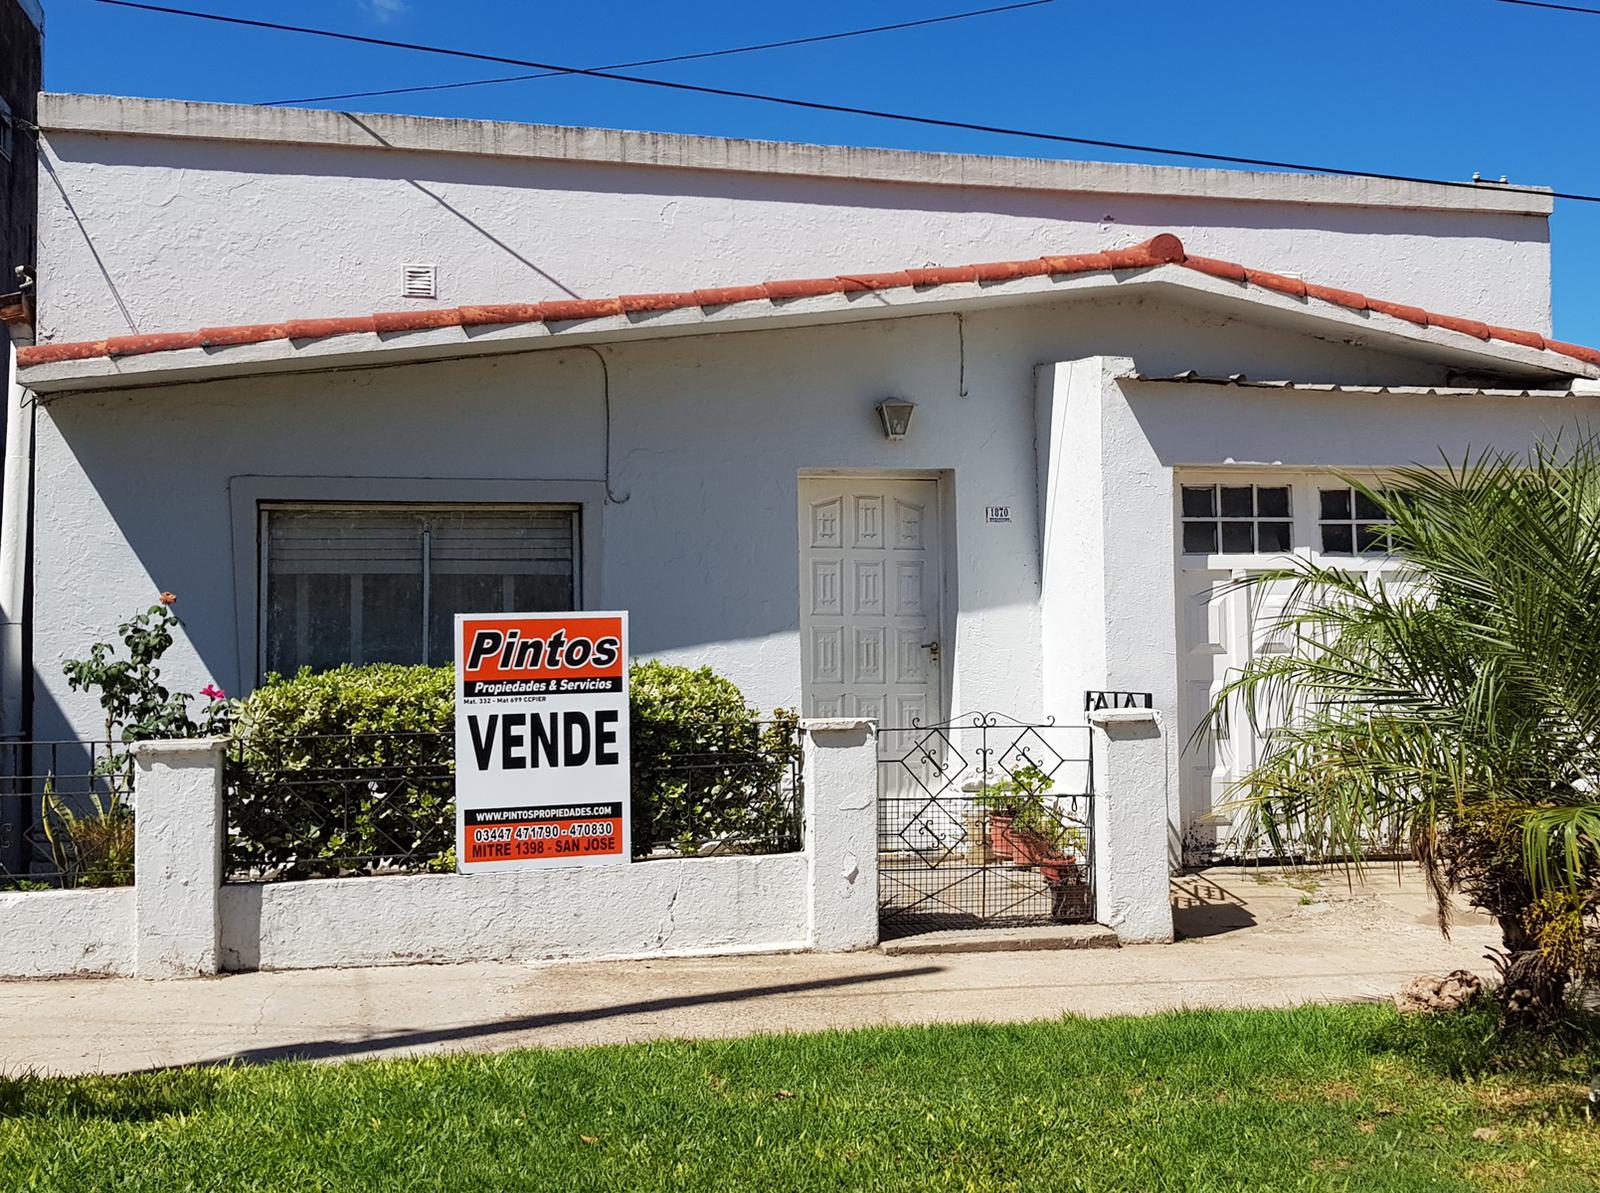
column 841, row 778
column 1131, row 867
column 178, row 825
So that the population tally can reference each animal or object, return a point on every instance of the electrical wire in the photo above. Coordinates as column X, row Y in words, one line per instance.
column 1593, row 12
column 696, row 57
column 851, row 110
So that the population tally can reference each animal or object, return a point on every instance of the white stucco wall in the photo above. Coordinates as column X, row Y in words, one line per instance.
column 702, row 905
column 52, row 934
column 301, row 214
column 137, row 492
column 1124, row 550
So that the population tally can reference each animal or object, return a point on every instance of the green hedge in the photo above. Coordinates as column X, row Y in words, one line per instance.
column 345, row 771
column 704, row 768
column 351, row 770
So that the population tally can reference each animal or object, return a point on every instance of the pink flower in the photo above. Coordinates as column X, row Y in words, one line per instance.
column 214, row 692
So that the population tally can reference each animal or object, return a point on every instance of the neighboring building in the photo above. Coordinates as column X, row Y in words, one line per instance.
column 21, row 75
column 223, row 415
column 22, row 59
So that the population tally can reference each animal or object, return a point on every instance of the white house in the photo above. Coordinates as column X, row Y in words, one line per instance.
column 334, row 377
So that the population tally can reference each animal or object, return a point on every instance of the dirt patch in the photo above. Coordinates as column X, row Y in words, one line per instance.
column 1499, row 1174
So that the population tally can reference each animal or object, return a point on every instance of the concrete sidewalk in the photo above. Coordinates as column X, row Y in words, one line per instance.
column 1251, row 938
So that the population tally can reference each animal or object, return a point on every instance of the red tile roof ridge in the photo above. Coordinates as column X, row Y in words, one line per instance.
column 1164, row 249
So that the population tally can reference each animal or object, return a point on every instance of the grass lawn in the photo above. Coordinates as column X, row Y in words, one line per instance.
column 1350, row 1098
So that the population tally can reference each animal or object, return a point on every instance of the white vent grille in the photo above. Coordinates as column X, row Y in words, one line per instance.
column 419, row 281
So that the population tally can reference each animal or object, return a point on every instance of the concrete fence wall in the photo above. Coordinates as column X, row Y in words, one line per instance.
column 181, row 919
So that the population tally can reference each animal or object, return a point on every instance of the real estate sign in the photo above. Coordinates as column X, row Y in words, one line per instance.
column 541, row 740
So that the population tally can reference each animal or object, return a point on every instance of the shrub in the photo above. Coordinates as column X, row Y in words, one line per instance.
column 704, row 768
column 352, row 770
column 91, row 835
column 343, row 772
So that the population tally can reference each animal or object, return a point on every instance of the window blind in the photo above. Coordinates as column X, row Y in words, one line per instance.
column 364, row 584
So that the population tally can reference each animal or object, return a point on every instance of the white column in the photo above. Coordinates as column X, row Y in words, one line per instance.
column 178, row 827
column 1131, row 795
column 841, row 777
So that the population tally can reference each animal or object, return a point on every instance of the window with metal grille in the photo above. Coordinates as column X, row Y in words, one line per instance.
column 382, row 584
column 1236, row 519
column 1352, row 523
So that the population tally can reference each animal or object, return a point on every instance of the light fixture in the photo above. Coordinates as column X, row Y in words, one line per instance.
column 896, row 416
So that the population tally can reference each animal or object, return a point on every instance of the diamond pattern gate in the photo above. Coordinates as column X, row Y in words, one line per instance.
column 984, row 821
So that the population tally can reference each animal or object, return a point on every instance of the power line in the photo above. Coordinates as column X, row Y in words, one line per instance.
column 752, row 49
column 849, row 110
column 1593, row 12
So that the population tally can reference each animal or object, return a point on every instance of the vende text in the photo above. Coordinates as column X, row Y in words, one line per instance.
column 529, row 740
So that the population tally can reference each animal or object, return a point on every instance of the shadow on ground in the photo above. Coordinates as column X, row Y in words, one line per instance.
column 1202, row 907
column 331, row 1049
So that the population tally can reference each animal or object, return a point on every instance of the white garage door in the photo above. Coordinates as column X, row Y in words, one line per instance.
column 1231, row 526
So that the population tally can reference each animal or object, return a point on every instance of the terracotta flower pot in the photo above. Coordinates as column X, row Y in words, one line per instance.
column 1002, row 841
column 1060, row 871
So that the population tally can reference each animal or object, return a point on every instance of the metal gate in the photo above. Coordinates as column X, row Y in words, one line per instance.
column 984, row 821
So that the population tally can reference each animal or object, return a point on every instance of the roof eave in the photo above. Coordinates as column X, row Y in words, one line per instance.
column 1367, row 328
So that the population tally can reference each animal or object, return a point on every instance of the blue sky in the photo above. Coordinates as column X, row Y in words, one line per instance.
column 1432, row 87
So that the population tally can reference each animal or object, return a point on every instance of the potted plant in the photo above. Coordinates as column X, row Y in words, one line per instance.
column 1012, row 804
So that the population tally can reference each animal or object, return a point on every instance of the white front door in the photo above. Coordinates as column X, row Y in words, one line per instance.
column 871, row 579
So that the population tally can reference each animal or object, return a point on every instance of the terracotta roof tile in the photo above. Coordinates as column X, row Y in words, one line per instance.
column 1399, row 311
column 1470, row 327
column 1276, row 281
column 1528, row 339
column 1230, row 270
column 1164, row 249
column 726, row 295
column 390, row 321
column 1577, row 351
column 672, row 301
column 1343, row 298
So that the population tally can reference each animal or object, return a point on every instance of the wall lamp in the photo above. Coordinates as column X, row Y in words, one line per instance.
column 895, row 413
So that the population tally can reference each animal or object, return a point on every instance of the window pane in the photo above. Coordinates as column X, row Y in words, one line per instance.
column 343, row 586
column 1335, row 503
column 1199, row 501
column 1372, row 537
column 1336, row 538
column 1236, row 501
column 1200, row 538
column 1273, row 502
column 1368, row 508
column 1237, row 537
column 391, row 621
column 346, row 585
column 1273, row 536
column 308, row 619
column 497, row 561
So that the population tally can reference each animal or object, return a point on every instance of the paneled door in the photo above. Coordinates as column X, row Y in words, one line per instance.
column 871, row 577
column 1232, row 526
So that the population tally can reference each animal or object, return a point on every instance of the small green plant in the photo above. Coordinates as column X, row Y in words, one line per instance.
column 93, row 846
column 1023, row 795
column 137, row 706
column 91, row 837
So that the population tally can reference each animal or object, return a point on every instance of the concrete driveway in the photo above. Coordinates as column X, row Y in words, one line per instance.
column 1249, row 938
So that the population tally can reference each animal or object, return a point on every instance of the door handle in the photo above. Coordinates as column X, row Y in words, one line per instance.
column 933, row 650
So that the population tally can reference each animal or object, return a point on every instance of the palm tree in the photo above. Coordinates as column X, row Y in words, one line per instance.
column 1454, row 711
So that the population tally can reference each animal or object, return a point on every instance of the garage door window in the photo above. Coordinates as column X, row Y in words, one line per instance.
column 1351, row 523
column 364, row 584
column 1236, row 519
